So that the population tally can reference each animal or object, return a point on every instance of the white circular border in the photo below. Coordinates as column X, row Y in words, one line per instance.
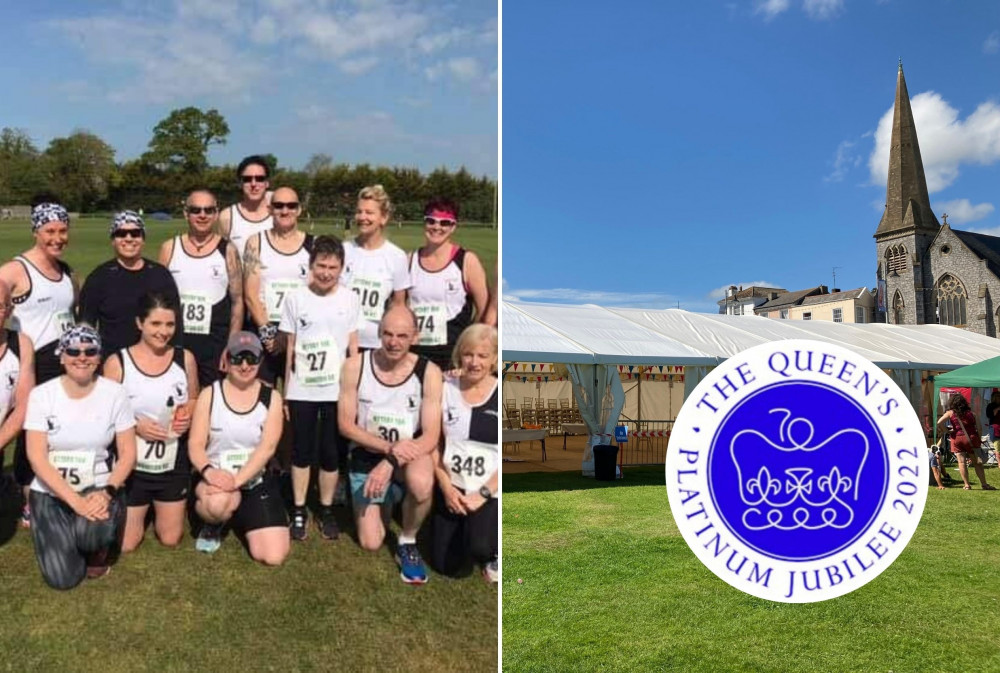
column 761, row 575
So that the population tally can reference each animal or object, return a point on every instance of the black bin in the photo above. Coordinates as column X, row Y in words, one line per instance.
column 605, row 457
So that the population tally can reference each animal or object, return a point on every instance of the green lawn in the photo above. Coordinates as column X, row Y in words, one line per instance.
column 332, row 606
column 609, row 584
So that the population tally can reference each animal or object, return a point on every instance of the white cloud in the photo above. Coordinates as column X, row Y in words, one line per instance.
column 946, row 142
column 601, row 297
column 844, row 159
column 358, row 66
column 821, row 10
column 265, row 30
column 961, row 211
column 992, row 43
column 463, row 68
column 770, row 8
column 989, row 231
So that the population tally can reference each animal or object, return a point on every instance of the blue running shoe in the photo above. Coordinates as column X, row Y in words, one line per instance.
column 209, row 539
column 411, row 564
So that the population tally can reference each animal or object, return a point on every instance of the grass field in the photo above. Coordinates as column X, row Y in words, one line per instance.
column 610, row 585
column 332, row 606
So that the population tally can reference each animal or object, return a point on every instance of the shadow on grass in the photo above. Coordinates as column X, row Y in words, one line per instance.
column 573, row 481
column 10, row 510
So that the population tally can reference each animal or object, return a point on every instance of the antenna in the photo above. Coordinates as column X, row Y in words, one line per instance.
column 835, row 274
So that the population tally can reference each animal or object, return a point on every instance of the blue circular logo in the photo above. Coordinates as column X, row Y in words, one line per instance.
column 797, row 470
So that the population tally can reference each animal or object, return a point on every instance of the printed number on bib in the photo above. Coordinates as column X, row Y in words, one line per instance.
column 432, row 324
column 197, row 312
column 317, row 362
column 234, row 460
column 76, row 467
column 63, row 320
column 156, row 456
column 275, row 294
column 390, row 426
column 470, row 463
column 370, row 294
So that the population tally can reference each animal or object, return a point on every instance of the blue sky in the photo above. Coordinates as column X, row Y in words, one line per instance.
column 397, row 82
column 657, row 152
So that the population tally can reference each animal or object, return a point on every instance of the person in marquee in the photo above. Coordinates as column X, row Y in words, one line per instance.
column 251, row 215
column 44, row 293
column 111, row 293
column 206, row 268
column 390, row 409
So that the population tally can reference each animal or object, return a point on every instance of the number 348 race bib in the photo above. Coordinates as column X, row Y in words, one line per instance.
column 797, row 471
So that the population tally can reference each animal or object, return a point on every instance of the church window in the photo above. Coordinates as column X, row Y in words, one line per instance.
column 897, row 309
column 951, row 299
column 895, row 259
column 945, row 249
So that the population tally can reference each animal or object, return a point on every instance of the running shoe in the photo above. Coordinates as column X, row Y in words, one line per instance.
column 328, row 527
column 491, row 572
column 411, row 564
column 299, row 520
column 209, row 538
column 26, row 516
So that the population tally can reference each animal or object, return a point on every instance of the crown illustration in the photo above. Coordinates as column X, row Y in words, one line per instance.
column 793, row 483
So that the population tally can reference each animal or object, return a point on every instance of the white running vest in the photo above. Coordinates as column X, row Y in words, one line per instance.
column 374, row 275
column 281, row 274
column 149, row 395
column 241, row 229
column 46, row 311
column 10, row 371
column 437, row 297
column 202, row 282
column 391, row 412
column 471, row 453
column 233, row 436
column 322, row 327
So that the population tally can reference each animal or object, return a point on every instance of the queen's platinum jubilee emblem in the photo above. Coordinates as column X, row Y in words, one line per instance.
column 797, row 471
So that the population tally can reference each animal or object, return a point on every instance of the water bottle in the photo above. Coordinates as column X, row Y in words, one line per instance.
column 166, row 417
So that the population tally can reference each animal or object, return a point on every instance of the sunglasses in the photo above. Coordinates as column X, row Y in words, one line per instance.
column 128, row 233
column 247, row 179
column 198, row 210
column 439, row 221
column 245, row 356
column 86, row 352
column 285, row 205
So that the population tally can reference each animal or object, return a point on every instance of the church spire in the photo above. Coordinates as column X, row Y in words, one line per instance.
column 907, row 206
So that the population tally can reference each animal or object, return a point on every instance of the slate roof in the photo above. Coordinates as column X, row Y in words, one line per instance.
column 834, row 296
column 985, row 246
column 790, row 298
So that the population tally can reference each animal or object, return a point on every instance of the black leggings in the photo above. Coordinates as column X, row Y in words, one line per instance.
column 458, row 541
column 315, row 434
column 47, row 367
column 64, row 539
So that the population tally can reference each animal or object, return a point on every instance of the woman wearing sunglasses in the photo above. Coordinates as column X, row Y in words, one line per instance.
column 77, row 497
column 162, row 384
column 449, row 288
column 112, row 290
column 234, row 432
column 44, row 293
column 374, row 267
column 320, row 322
column 275, row 264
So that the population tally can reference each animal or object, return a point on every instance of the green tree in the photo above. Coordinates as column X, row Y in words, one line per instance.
column 22, row 172
column 181, row 140
column 81, row 170
column 317, row 163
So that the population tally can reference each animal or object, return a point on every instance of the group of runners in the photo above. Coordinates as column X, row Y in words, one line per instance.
column 165, row 385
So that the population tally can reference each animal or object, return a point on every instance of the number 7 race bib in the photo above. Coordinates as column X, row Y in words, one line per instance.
column 233, row 461
column 276, row 291
column 470, row 463
column 76, row 467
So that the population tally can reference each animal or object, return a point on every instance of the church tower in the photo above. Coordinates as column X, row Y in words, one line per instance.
column 908, row 225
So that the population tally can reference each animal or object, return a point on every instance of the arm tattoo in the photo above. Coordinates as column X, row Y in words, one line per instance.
column 251, row 258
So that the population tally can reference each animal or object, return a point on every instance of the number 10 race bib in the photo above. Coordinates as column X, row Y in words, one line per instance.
column 76, row 467
column 470, row 463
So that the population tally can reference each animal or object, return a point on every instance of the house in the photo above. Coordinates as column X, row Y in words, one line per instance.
column 744, row 301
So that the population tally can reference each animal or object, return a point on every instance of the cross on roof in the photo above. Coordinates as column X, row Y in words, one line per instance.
column 944, row 216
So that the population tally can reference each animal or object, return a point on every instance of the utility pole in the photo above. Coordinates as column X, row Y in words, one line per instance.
column 835, row 275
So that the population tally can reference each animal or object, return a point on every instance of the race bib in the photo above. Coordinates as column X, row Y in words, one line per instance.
column 197, row 312
column 76, row 467
column 432, row 324
column 317, row 362
column 233, row 461
column 156, row 456
column 63, row 321
column 275, row 293
column 470, row 464
column 390, row 426
column 371, row 295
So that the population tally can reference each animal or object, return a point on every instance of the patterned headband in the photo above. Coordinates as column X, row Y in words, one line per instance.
column 44, row 213
column 78, row 334
column 127, row 217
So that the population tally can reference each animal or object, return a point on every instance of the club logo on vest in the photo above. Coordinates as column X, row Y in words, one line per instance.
column 303, row 270
column 52, row 424
column 216, row 271
column 11, row 380
column 796, row 471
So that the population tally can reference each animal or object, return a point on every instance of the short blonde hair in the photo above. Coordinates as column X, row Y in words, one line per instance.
column 475, row 333
column 377, row 194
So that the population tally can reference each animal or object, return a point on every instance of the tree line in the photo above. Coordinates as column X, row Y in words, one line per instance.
column 81, row 170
